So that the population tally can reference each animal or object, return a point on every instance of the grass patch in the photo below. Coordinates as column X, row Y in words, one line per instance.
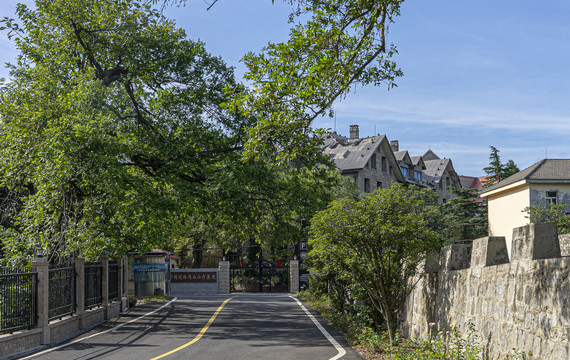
column 134, row 301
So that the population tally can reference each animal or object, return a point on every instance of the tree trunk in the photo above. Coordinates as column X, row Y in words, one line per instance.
column 198, row 253
column 391, row 324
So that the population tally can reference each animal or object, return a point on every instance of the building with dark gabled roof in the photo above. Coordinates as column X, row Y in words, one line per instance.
column 441, row 174
column 370, row 161
column 374, row 162
column 544, row 183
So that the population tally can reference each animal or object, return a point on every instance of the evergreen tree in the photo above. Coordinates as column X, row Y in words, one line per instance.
column 465, row 218
column 496, row 171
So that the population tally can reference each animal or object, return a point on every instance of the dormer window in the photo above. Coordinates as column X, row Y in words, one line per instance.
column 404, row 171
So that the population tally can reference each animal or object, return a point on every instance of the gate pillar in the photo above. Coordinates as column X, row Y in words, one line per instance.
column 224, row 277
column 294, row 276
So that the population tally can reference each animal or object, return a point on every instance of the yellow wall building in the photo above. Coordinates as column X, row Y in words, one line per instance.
column 546, row 182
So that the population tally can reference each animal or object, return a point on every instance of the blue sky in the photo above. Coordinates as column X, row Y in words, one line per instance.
column 476, row 73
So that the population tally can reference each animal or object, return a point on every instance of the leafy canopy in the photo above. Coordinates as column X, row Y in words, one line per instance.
column 115, row 130
column 544, row 213
column 465, row 218
column 343, row 44
column 378, row 243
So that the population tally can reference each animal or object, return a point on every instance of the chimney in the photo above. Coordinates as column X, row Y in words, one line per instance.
column 395, row 145
column 354, row 132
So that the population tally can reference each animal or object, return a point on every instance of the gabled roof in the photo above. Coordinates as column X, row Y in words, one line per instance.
column 430, row 155
column 471, row 182
column 466, row 181
column 546, row 170
column 403, row 156
column 436, row 168
column 418, row 161
column 353, row 154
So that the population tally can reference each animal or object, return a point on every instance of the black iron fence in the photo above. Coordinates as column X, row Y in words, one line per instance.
column 265, row 277
column 93, row 284
column 113, row 287
column 18, row 299
column 61, row 290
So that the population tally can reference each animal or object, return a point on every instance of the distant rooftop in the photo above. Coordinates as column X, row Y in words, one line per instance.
column 555, row 170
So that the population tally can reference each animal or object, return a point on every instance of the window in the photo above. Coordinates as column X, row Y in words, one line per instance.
column 551, row 197
column 384, row 167
column 404, row 171
column 418, row 175
column 366, row 185
column 441, row 184
column 378, row 185
column 373, row 161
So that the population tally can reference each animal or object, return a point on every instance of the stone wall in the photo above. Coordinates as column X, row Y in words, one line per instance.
column 523, row 304
column 564, row 241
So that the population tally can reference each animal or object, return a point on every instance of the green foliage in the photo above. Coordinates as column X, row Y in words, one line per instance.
column 108, row 118
column 377, row 243
column 451, row 345
column 510, row 168
column 465, row 218
column 343, row 44
column 549, row 213
column 496, row 171
column 353, row 321
column 117, row 133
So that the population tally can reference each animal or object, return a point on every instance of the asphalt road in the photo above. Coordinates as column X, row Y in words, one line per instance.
column 248, row 326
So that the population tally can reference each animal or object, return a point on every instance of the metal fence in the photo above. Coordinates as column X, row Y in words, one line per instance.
column 93, row 284
column 61, row 290
column 18, row 299
column 113, row 287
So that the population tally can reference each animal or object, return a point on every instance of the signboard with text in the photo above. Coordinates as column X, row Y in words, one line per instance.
column 149, row 272
column 193, row 277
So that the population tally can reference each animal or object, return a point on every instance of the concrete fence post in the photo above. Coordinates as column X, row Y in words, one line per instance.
column 79, row 264
column 294, row 276
column 125, row 289
column 224, row 277
column 122, row 281
column 105, row 284
column 41, row 266
column 119, row 278
column 131, row 275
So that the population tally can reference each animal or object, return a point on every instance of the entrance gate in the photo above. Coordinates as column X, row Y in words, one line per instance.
column 261, row 277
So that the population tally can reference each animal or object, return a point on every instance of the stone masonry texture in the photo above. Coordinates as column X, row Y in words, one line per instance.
column 522, row 305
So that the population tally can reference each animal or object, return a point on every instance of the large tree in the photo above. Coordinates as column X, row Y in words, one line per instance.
column 114, row 130
column 378, row 243
column 343, row 44
column 117, row 130
column 497, row 171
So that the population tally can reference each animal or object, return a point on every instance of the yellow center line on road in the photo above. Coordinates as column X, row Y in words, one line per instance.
column 199, row 336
